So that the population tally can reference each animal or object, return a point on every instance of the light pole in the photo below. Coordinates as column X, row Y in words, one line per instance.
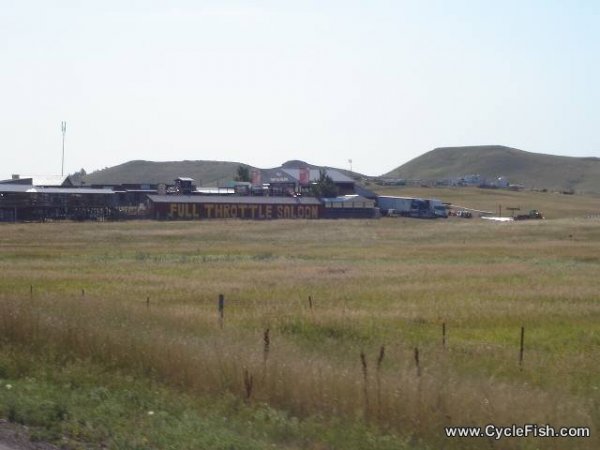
column 63, row 128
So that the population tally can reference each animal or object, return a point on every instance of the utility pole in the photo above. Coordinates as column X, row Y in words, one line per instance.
column 512, row 210
column 63, row 128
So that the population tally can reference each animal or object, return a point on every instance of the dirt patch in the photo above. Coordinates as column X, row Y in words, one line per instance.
column 16, row 437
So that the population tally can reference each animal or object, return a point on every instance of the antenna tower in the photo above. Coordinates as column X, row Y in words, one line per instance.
column 63, row 128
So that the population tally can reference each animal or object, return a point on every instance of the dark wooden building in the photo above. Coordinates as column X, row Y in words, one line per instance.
column 198, row 207
column 27, row 203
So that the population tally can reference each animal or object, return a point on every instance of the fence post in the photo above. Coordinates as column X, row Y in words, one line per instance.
column 266, row 347
column 379, row 363
column 363, row 361
column 522, row 346
column 221, row 309
column 417, row 362
column 248, row 385
column 444, row 334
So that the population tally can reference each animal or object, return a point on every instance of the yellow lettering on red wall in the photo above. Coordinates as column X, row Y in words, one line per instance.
column 241, row 211
column 315, row 212
column 172, row 210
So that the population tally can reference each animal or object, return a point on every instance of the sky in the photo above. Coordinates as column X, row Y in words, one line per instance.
column 262, row 82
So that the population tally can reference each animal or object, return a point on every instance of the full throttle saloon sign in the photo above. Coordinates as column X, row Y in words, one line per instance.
column 175, row 209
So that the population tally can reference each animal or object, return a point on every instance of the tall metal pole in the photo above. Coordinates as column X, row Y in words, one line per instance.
column 63, row 127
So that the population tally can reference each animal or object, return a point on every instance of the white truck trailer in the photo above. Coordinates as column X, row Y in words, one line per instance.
column 412, row 207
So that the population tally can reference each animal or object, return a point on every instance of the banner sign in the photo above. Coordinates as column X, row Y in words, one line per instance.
column 190, row 211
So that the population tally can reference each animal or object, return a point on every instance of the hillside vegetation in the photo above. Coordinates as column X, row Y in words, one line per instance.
column 205, row 173
column 520, row 167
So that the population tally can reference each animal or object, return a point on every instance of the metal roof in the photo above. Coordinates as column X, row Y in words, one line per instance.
column 314, row 174
column 14, row 187
column 276, row 175
column 28, row 189
column 72, row 191
column 234, row 199
column 347, row 198
column 40, row 180
column 215, row 190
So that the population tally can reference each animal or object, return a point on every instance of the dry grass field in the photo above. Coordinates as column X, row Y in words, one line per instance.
column 88, row 306
column 553, row 205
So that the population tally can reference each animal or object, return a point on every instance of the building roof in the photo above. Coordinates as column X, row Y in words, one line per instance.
column 40, row 180
column 276, row 175
column 285, row 175
column 28, row 189
column 215, row 190
column 347, row 198
column 147, row 191
column 234, row 199
column 363, row 191
column 73, row 191
column 14, row 187
column 314, row 175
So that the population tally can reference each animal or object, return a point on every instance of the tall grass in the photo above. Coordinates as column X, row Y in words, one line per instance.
column 395, row 289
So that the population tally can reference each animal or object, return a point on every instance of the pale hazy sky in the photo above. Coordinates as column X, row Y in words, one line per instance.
column 262, row 82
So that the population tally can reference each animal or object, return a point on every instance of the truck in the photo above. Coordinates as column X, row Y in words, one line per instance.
column 412, row 207
column 533, row 214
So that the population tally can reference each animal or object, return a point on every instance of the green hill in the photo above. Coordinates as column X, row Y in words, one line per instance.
column 532, row 170
column 205, row 173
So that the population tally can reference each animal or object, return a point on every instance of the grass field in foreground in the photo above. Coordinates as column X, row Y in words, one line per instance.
column 79, row 338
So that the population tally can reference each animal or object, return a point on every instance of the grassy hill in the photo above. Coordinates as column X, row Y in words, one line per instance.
column 520, row 167
column 533, row 170
column 204, row 172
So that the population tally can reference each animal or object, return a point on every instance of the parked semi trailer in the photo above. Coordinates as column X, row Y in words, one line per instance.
column 412, row 207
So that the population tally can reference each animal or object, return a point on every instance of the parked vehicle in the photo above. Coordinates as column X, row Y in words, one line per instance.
column 533, row 214
column 412, row 207
column 464, row 214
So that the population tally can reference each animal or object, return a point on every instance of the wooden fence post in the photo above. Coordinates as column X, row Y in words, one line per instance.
column 379, row 363
column 417, row 362
column 267, row 344
column 444, row 335
column 248, row 385
column 521, row 347
column 363, row 361
column 221, row 309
